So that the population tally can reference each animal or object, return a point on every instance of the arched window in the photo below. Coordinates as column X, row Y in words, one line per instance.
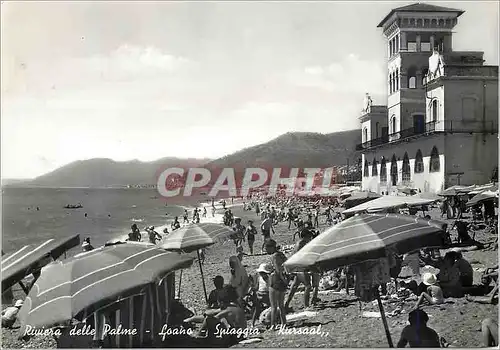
column 377, row 126
column 434, row 164
column 390, row 83
column 435, row 105
column 393, row 125
column 406, row 170
column 374, row 168
column 412, row 77
column 366, row 171
column 383, row 171
column 365, row 135
column 419, row 163
column 394, row 170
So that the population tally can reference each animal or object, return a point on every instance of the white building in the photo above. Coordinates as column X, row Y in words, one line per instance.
column 440, row 125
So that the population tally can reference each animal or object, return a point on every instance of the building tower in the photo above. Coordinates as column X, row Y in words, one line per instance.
column 412, row 33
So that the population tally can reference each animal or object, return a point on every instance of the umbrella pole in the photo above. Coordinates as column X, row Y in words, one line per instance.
column 202, row 277
column 384, row 320
column 180, row 281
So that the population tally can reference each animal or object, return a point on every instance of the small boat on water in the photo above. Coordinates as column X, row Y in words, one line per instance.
column 73, row 206
column 137, row 220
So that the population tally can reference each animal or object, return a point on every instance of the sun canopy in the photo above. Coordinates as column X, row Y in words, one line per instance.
column 387, row 202
column 21, row 263
column 457, row 190
column 481, row 197
column 94, row 279
column 366, row 237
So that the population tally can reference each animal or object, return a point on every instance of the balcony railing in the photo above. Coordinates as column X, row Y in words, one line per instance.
column 448, row 126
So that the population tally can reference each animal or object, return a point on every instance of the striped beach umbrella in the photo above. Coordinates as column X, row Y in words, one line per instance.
column 367, row 237
column 91, row 280
column 193, row 238
column 32, row 257
column 364, row 237
column 481, row 197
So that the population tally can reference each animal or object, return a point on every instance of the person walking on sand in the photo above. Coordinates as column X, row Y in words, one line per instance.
column 186, row 217
column 204, row 212
column 213, row 210
column 266, row 227
column 251, row 232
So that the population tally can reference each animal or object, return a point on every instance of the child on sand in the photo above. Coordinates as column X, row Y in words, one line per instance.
column 434, row 294
column 417, row 334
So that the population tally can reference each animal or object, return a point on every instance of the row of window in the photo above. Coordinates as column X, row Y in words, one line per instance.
column 395, row 82
column 434, row 166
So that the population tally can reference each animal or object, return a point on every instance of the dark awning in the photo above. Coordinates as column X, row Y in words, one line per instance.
column 21, row 263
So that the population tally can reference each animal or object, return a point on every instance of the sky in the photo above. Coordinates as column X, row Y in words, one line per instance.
column 130, row 80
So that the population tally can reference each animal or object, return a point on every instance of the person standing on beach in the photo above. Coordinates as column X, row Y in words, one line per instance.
column 213, row 210
column 239, row 230
column 251, row 233
column 204, row 212
column 135, row 235
column 266, row 227
column 278, row 283
column 186, row 215
column 257, row 209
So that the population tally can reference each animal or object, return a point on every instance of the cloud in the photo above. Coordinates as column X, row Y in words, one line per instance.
column 350, row 75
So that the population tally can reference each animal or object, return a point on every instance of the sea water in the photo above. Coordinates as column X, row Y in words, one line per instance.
column 110, row 213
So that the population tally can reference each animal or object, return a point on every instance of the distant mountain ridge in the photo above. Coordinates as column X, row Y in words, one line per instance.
column 290, row 150
column 298, row 150
column 104, row 172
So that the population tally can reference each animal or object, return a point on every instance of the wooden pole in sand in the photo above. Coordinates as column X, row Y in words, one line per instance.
column 180, row 281
column 202, row 277
column 384, row 320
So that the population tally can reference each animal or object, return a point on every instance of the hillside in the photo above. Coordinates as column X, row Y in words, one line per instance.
column 102, row 172
column 291, row 150
column 297, row 149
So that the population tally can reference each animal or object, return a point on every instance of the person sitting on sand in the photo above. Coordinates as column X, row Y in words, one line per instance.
column 492, row 296
column 176, row 224
column 434, row 294
column 215, row 296
column 240, row 253
column 261, row 289
column 86, row 246
column 449, row 277
column 489, row 331
column 9, row 315
column 417, row 334
column 231, row 316
column 465, row 269
column 153, row 235
column 239, row 277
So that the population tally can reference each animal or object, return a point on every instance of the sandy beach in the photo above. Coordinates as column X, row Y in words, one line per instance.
column 339, row 316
